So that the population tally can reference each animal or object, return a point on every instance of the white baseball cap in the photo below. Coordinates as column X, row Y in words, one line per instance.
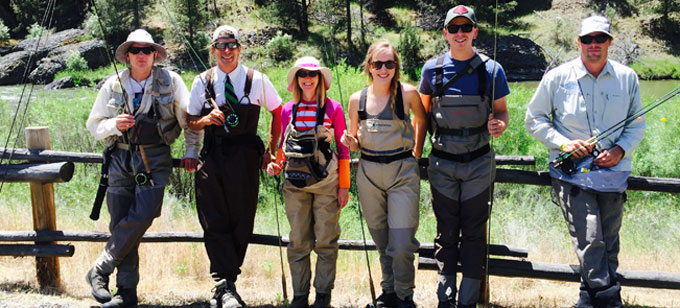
column 595, row 23
column 225, row 32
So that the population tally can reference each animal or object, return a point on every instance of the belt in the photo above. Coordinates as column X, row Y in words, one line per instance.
column 127, row 146
column 462, row 132
column 386, row 159
column 462, row 158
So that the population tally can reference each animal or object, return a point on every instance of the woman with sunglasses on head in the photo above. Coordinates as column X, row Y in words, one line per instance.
column 388, row 181
column 456, row 89
column 139, row 114
column 317, row 178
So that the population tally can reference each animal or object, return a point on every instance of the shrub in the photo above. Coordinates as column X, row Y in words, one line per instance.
column 4, row 32
column 281, row 47
column 36, row 30
column 409, row 51
column 76, row 62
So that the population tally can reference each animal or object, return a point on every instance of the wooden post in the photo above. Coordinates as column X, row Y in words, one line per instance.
column 44, row 215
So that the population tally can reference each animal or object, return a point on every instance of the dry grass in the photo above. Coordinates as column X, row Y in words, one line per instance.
column 176, row 275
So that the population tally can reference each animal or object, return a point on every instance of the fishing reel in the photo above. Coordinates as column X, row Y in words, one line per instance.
column 143, row 178
column 569, row 166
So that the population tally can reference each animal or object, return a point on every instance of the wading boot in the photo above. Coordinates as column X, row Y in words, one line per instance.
column 322, row 300
column 447, row 304
column 300, row 301
column 124, row 298
column 225, row 296
column 407, row 302
column 387, row 300
column 99, row 284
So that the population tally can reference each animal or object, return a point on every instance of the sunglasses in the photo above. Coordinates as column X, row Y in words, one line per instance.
column 600, row 38
column 388, row 64
column 303, row 74
column 467, row 28
column 146, row 50
column 223, row 45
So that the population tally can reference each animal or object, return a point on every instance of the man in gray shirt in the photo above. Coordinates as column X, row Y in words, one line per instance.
column 574, row 102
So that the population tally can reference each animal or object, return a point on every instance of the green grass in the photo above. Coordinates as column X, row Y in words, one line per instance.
column 522, row 215
column 89, row 77
column 658, row 67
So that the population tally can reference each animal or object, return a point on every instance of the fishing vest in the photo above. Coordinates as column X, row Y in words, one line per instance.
column 248, row 114
column 458, row 123
column 307, row 153
column 158, row 125
column 387, row 136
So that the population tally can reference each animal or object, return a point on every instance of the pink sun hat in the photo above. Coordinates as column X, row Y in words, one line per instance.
column 310, row 64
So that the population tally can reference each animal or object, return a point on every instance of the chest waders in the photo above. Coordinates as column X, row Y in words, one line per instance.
column 307, row 153
column 459, row 178
column 388, row 184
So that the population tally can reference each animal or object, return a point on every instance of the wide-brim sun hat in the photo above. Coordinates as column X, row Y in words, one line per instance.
column 139, row 36
column 310, row 64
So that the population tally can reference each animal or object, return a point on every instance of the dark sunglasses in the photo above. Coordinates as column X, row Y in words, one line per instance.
column 146, row 50
column 303, row 74
column 467, row 28
column 223, row 45
column 600, row 38
column 388, row 64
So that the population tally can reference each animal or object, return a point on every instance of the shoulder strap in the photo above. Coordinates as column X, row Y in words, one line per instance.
column 209, row 91
column 362, row 104
column 469, row 68
column 249, row 82
column 439, row 72
column 399, row 103
column 320, row 113
column 293, row 114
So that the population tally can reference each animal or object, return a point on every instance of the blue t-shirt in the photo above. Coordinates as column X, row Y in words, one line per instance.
column 468, row 83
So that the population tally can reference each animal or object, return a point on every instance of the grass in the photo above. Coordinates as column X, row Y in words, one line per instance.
column 177, row 274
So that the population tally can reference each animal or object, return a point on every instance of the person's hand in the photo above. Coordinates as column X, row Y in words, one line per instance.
column 496, row 127
column 124, row 122
column 349, row 141
column 343, row 196
column 273, row 169
column 189, row 164
column 583, row 148
column 266, row 159
column 215, row 117
column 609, row 157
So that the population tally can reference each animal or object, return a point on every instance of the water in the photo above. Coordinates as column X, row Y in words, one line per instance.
column 13, row 94
column 649, row 89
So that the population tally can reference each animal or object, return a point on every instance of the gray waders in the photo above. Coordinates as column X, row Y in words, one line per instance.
column 388, row 183
column 461, row 169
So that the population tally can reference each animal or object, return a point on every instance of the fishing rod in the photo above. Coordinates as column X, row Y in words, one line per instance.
column 563, row 156
column 187, row 47
column 49, row 11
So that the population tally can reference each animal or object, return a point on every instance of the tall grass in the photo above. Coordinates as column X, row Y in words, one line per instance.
column 522, row 215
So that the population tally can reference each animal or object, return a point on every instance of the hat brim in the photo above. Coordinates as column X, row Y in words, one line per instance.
column 583, row 33
column 121, row 51
column 325, row 72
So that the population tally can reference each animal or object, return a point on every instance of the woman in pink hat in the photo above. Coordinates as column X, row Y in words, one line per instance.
column 317, row 178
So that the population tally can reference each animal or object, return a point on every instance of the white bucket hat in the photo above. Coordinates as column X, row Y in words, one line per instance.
column 139, row 36
column 595, row 23
column 225, row 32
column 310, row 64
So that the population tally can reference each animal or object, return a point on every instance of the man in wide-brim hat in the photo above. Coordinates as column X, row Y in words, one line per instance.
column 138, row 113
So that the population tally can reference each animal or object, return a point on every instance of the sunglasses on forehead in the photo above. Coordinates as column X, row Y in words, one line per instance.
column 467, row 28
column 223, row 45
column 600, row 38
column 388, row 64
column 146, row 50
column 303, row 73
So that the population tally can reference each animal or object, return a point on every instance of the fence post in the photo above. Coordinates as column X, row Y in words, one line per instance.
column 44, row 216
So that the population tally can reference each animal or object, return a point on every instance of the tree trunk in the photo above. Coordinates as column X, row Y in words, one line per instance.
column 135, row 10
column 348, row 7
column 361, row 18
column 217, row 11
column 190, row 7
column 304, row 17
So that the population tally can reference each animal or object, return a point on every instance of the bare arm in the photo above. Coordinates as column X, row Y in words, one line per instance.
column 413, row 102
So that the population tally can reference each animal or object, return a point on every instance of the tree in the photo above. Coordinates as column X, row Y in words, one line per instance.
column 191, row 18
column 67, row 14
column 118, row 17
column 666, row 8
column 287, row 12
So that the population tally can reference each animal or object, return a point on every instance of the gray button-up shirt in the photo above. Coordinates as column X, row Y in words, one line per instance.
column 571, row 103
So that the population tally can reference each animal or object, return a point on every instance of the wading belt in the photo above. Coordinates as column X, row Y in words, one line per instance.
column 461, row 158
column 386, row 159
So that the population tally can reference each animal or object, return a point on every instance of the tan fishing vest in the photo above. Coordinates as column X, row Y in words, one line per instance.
column 388, row 133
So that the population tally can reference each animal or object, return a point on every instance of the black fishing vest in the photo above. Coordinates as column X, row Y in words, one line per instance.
column 248, row 114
